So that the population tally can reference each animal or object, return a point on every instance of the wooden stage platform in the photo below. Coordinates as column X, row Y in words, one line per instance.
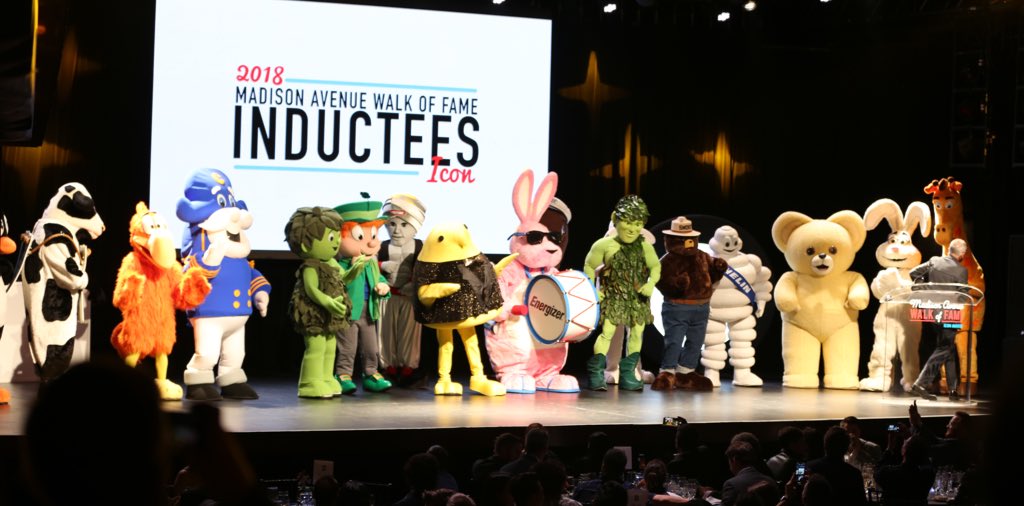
column 279, row 410
column 368, row 436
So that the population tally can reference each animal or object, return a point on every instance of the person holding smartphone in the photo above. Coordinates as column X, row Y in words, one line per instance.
column 909, row 481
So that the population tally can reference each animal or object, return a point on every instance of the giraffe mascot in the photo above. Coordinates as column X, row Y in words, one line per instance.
column 949, row 225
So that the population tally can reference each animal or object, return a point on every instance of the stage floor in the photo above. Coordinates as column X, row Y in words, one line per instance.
column 279, row 410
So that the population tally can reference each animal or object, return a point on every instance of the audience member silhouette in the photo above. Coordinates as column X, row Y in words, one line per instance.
column 327, row 492
column 954, row 449
column 816, row 492
column 755, row 443
column 535, row 450
column 437, row 497
column 119, row 452
column 611, row 493
column 444, row 477
column 507, row 448
column 861, row 451
column 552, row 479
column 815, row 443
column 846, row 481
column 421, row 476
column 793, row 449
column 613, row 469
column 597, row 444
column 894, row 439
column 743, row 460
column 496, row 491
column 460, row 499
column 693, row 460
column 907, row 483
column 527, row 490
column 125, row 443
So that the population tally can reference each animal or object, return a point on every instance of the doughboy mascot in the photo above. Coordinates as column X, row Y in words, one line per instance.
column 738, row 299
column 216, row 235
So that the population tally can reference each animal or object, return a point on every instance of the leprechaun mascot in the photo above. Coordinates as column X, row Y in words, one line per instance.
column 367, row 290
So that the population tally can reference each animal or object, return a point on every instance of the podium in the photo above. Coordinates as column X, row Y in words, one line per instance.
column 947, row 306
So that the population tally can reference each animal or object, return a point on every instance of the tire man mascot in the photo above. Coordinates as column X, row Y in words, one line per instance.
column 738, row 301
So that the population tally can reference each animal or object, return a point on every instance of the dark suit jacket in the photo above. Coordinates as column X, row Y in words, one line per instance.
column 736, row 486
column 940, row 270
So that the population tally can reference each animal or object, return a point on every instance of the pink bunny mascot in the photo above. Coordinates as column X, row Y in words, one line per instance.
column 524, row 365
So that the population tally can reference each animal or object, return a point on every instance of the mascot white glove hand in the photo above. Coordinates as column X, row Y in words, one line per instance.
column 214, row 255
column 262, row 300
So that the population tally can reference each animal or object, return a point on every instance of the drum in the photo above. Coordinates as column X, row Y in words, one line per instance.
column 561, row 307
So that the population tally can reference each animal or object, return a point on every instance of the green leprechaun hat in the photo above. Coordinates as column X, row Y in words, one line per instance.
column 361, row 211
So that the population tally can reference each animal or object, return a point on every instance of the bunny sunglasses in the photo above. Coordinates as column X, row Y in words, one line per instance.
column 535, row 237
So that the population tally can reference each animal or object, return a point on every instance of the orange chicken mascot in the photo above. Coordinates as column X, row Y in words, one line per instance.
column 150, row 286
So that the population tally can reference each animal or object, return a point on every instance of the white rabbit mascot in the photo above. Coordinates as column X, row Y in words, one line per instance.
column 522, row 365
column 736, row 302
column 896, row 256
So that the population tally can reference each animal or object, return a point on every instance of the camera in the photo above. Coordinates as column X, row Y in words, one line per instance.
column 893, row 428
column 801, row 470
column 673, row 421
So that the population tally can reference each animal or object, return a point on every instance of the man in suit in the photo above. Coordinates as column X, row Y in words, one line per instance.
column 742, row 459
column 944, row 269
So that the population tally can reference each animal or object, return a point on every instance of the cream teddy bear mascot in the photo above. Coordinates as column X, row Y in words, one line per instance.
column 736, row 302
column 819, row 300
column 894, row 332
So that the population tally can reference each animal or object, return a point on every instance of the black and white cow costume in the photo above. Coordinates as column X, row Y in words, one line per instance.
column 54, row 276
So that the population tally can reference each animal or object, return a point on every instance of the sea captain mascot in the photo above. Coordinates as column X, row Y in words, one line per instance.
column 820, row 298
column 688, row 278
column 319, row 304
column 217, row 222
column 150, row 287
column 367, row 291
column 7, row 247
column 400, row 333
column 631, row 270
column 735, row 304
column 54, row 277
column 522, row 364
column 456, row 290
